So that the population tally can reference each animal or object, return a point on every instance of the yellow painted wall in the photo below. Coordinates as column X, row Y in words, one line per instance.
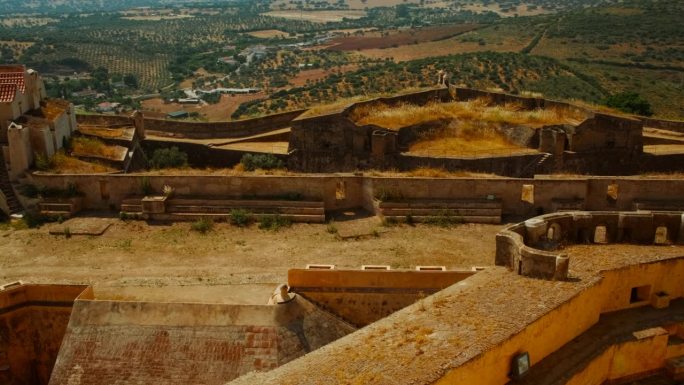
column 597, row 371
column 639, row 356
column 552, row 331
column 540, row 339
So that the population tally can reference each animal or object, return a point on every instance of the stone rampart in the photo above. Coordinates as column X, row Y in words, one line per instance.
column 519, row 197
column 200, row 130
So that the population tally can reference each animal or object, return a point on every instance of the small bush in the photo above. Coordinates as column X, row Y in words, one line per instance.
column 331, row 228
column 252, row 162
column 168, row 158
column 240, row 217
column 444, row 219
column 389, row 222
column 146, row 186
column 274, row 222
column 203, row 225
column 67, row 232
column 410, row 221
column 43, row 163
column 29, row 190
column 34, row 219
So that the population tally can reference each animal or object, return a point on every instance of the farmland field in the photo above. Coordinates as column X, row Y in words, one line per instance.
column 317, row 16
column 404, row 37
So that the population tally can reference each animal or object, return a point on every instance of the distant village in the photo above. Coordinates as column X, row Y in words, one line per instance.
column 196, row 95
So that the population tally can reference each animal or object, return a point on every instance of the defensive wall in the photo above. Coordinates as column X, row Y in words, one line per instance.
column 33, row 320
column 518, row 197
column 531, row 248
column 200, row 130
column 475, row 331
column 362, row 297
column 333, row 142
column 601, row 144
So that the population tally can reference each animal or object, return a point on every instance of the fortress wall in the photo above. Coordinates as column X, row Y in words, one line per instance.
column 670, row 125
column 358, row 191
column 102, row 190
column 33, row 320
column 200, row 130
column 629, row 190
column 362, row 297
column 552, row 331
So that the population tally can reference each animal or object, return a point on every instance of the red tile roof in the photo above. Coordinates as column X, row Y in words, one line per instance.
column 14, row 78
column 8, row 92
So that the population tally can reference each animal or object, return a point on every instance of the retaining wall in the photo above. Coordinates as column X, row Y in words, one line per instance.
column 590, row 193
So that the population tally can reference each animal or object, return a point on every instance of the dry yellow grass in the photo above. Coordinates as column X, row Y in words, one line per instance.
column 65, row 164
column 93, row 147
column 481, row 109
column 342, row 103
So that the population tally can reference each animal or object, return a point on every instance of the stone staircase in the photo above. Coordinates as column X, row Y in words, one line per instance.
column 6, row 188
column 535, row 166
column 662, row 205
column 422, row 210
column 220, row 209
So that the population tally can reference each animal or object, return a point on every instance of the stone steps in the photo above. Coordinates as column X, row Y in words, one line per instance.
column 425, row 210
column 442, row 211
column 644, row 205
column 491, row 219
column 256, row 210
column 220, row 209
column 6, row 187
column 303, row 218
column 56, row 214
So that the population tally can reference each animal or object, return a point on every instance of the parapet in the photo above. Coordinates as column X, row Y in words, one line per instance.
column 532, row 248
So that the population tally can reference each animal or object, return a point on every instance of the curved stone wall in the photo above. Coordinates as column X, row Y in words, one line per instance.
column 532, row 248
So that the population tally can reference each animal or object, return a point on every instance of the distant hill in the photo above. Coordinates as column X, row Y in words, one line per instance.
column 68, row 6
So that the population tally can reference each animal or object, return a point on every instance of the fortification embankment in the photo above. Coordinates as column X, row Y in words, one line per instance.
column 187, row 343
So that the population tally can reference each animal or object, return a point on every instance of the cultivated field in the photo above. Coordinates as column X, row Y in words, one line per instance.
column 268, row 34
column 502, row 38
column 398, row 38
column 317, row 16
column 221, row 111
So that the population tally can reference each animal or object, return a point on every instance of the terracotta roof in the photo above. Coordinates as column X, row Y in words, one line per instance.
column 14, row 78
column 8, row 92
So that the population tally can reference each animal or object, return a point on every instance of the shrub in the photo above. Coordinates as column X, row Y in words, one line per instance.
column 252, row 162
column 43, row 163
column 168, row 158
column 630, row 102
column 274, row 222
column 331, row 228
column 146, row 186
column 240, row 217
column 444, row 219
column 203, row 225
